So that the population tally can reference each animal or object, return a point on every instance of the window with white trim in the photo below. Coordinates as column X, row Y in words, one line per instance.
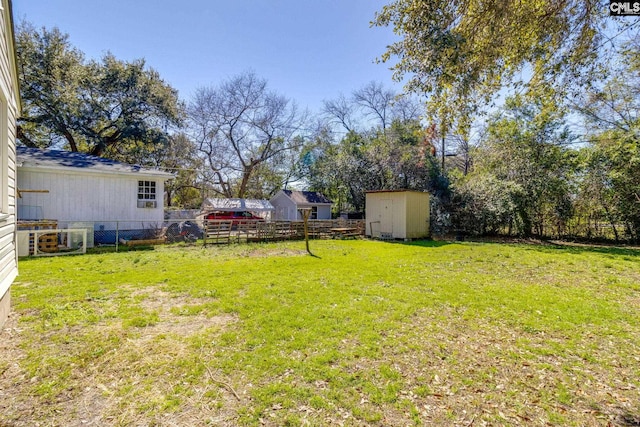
column 147, row 194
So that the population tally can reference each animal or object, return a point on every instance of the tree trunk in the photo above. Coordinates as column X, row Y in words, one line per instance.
column 71, row 140
column 246, row 175
column 168, row 203
column 611, row 221
column 24, row 138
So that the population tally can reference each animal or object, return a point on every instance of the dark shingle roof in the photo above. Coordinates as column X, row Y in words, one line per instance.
column 307, row 197
column 35, row 157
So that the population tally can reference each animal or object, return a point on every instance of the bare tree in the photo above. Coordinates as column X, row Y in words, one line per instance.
column 406, row 108
column 376, row 101
column 340, row 110
column 240, row 126
column 462, row 156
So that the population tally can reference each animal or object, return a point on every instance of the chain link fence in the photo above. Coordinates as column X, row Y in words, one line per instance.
column 117, row 235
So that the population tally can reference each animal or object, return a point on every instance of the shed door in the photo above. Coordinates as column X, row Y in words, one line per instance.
column 386, row 218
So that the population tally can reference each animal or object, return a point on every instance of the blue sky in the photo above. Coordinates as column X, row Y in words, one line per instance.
column 307, row 50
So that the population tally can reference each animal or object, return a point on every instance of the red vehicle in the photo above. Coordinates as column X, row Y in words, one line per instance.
column 236, row 217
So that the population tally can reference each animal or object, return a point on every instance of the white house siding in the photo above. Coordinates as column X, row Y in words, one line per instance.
column 285, row 207
column 86, row 196
column 9, row 106
column 324, row 212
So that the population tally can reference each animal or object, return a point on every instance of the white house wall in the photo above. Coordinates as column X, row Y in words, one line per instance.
column 92, row 197
column 285, row 208
column 8, row 251
column 324, row 212
column 8, row 114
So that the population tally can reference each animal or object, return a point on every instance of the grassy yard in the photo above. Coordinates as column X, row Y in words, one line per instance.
column 366, row 333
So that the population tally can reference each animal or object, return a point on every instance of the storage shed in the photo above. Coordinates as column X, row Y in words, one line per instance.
column 397, row 214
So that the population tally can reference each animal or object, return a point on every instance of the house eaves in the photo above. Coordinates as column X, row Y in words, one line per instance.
column 79, row 163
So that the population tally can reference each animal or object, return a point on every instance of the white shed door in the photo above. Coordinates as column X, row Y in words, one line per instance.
column 386, row 217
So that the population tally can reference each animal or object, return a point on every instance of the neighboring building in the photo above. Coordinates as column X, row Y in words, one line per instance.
column 9, row 111
column 397, row 214
column 287, row 203
column 259, row 207
column 83, row 191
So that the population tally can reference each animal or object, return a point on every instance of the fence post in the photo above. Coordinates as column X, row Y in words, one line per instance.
column 117, row 232
column 204, row 233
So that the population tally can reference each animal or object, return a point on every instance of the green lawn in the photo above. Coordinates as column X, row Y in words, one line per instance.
column 365, row 333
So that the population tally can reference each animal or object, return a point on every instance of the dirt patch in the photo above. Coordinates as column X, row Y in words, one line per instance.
column 103, row 384
column 152, row 298
column 14, row 380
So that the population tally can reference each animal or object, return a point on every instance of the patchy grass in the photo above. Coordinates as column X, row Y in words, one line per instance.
column 366, row 333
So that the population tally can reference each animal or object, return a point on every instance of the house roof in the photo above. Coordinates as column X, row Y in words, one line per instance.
column 237, row 205
column 307, row 197
column 54, row 159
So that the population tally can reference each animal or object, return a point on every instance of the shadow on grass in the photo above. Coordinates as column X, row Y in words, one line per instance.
column 556, row 246
column 586, row 248
column 425, row 243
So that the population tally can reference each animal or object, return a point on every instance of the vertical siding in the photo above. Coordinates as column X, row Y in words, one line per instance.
column 285, row 208
column 403, row 214
column 399, row 215
column 87, row 196
column 417, row 215
column 375, row 213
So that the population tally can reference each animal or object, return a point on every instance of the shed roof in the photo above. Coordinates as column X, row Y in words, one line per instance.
column 237, row 205
column 307, row 197
column 396, row 191
column 55, row 159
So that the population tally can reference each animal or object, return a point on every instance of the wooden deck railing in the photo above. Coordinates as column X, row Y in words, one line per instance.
column 225, row 231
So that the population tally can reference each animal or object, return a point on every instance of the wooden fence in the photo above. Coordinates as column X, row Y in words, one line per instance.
column 224, row 231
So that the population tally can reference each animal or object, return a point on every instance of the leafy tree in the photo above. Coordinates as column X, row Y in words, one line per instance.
column 399, row 158
column 101, row 107
column 460, row 52
column 341, row 171
column 486, row 204
column 385, row 147
column 51, row 73
column 240, row 128
column 526, row 147
column 179, row 155
column 612, row 162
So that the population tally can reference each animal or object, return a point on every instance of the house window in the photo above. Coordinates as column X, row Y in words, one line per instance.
column 314, row 212
column 147, row 194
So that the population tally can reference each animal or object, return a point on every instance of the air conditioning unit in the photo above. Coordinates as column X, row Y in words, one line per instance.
column 148, row 204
